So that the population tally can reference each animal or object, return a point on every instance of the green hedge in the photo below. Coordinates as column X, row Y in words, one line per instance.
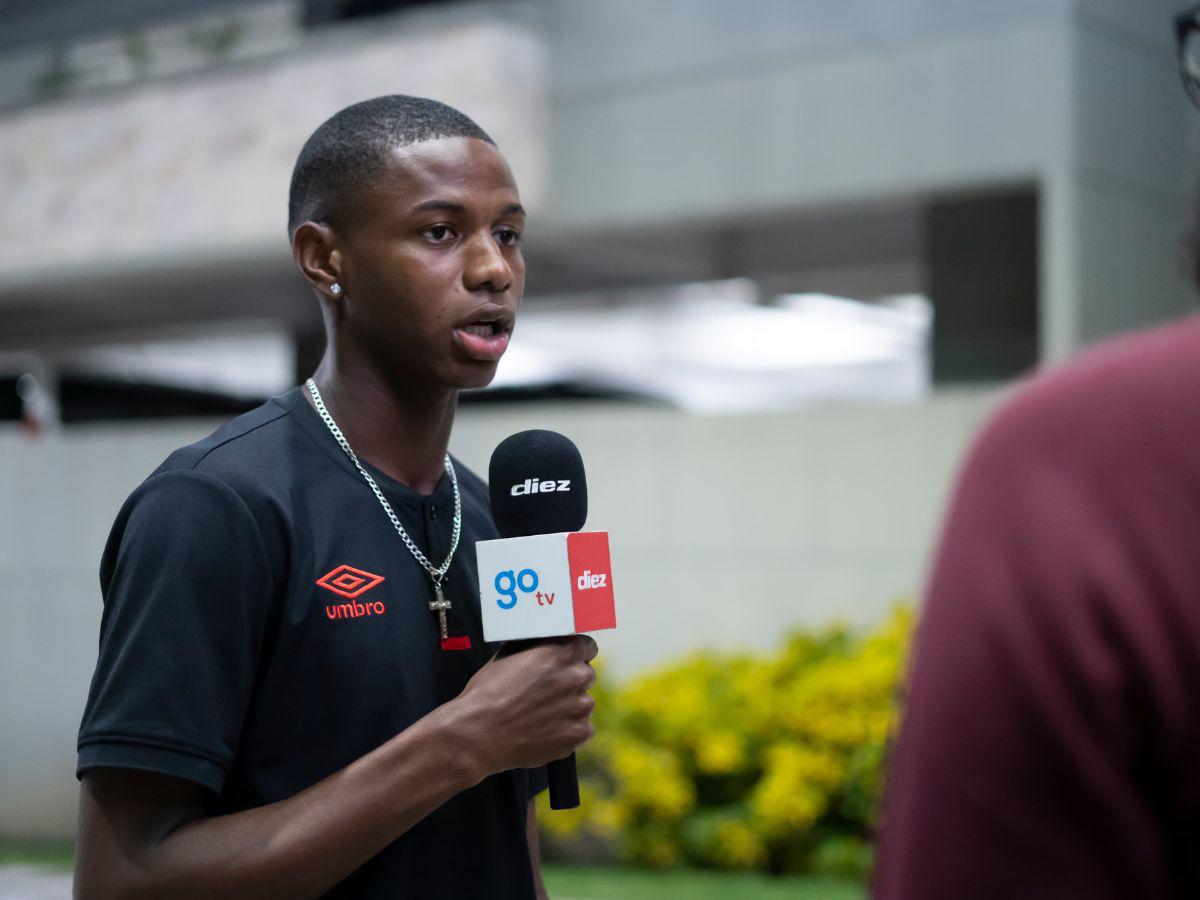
column 733, row 761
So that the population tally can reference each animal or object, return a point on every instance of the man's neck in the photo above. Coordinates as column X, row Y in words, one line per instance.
column 404, row 435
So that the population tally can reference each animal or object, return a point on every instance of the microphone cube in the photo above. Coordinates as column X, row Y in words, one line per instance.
column 544, row 585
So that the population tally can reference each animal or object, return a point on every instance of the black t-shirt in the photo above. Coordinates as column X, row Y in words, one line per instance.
column 264, row 626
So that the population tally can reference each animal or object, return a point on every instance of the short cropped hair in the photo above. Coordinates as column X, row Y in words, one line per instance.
column 350, row 149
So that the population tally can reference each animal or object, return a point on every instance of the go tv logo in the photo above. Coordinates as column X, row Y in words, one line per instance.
column 526, row 581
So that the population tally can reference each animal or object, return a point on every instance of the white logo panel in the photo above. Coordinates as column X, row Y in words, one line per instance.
column 525, row 587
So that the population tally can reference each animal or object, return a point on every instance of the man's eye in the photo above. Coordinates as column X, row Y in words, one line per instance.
column 509, row 237
column 437, row 233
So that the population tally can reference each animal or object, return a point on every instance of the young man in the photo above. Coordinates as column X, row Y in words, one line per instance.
column 279, row 708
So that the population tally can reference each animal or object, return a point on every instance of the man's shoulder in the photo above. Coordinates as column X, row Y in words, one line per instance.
column 1112, row 404
column 1137, row 368
column 233, row 481
column 247, row 453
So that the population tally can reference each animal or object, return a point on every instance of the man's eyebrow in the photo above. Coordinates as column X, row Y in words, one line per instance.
column 513, row 209
column 439, row 206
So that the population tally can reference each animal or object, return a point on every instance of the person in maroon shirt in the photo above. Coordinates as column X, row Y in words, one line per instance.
column 1051, row 731
column 1050, row 743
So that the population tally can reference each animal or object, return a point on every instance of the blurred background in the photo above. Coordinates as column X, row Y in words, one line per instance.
column 783, row 257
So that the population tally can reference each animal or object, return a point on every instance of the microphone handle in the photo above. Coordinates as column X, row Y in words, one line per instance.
column 564, row 783
column 561, row 774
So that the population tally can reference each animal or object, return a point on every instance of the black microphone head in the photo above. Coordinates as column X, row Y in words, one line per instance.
column 537, row 484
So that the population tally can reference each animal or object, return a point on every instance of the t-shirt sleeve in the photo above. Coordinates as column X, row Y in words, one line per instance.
column 187, row 592
column 1039, row 687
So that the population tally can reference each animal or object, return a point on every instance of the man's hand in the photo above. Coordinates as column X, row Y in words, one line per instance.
column 530, row 707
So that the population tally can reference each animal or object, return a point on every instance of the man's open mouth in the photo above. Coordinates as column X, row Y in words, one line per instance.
column 486, row 337
column 483, row 329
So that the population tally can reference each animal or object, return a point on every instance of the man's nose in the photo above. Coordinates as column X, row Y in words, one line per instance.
column 487, row 269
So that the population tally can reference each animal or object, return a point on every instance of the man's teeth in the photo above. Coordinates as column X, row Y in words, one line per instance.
column 484, row 330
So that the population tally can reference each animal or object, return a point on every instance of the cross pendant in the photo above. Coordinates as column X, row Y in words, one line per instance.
column 440, row 605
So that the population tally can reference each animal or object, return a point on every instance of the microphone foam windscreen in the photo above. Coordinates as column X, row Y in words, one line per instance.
column 537, row 484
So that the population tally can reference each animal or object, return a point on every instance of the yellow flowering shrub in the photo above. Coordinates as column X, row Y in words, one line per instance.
column 737, row 761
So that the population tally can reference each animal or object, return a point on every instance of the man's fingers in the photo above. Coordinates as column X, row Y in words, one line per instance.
column 588, row 646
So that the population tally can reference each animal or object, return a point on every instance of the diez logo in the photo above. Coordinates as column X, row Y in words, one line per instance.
column 351, row 583
column 587, row 581
column 537, row 486
column 526, row 581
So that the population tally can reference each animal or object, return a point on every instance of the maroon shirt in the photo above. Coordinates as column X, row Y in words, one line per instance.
column 1050, row 745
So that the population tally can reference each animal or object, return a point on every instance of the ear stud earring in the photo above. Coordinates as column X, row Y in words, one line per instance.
column 335, row 289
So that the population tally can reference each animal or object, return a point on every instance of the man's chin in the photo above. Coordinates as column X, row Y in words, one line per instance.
column 477, row 376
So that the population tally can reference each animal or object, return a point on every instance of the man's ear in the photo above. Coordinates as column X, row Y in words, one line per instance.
column 315, row 250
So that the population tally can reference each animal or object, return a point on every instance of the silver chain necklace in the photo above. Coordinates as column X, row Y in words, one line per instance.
column 440, row 604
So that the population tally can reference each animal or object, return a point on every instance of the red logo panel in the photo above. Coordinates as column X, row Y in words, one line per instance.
column 591, row 580
column 348, row 581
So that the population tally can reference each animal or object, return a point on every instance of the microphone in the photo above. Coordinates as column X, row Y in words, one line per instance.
column 543, row 577
column 537, row 484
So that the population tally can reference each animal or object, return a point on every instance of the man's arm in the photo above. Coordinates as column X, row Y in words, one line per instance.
column 535, row 849
column 146, row 835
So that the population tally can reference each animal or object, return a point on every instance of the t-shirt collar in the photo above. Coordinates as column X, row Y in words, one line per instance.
column 307, row 418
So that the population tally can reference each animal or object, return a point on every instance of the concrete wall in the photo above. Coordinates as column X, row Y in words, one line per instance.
column 690, row 107
column 198, row 167
column 626, row 122
column 686, row 109
column 1130, row 171
column 725, row 531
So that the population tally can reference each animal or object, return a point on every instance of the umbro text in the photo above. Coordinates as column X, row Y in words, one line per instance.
column 354, row 610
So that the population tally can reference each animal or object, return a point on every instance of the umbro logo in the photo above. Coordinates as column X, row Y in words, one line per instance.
column 351, row 583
